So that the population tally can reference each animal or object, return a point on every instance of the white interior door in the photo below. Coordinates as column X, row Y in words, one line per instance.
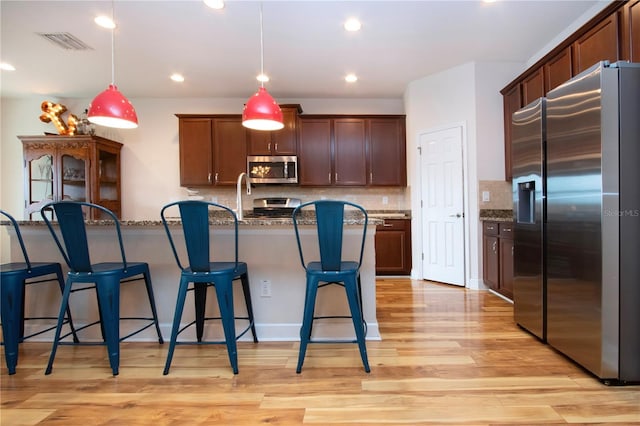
column 442, row 205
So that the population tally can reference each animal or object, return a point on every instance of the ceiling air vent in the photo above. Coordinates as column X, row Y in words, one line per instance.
column 66, row 40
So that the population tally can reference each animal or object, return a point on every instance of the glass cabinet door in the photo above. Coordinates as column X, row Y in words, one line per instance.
column 40, row 182
column 75, row 175
column 108, row 175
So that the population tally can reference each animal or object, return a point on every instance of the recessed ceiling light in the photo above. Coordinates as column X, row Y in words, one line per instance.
column 105, row 22
column 215, row 4
column 263, row 78
column 352, row 24
column 177, row 77
column 7, row 67
column 351, row 78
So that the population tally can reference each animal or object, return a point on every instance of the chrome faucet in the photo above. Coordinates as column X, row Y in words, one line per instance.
column 239, row 193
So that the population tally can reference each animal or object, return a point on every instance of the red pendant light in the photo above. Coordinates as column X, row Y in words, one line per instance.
column 111, row 108
column 262, row 112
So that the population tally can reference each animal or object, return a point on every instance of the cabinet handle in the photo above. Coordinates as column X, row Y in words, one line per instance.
column 386, row 225
column 494, row 246
column 370, row 177
column 507, row 229
column 276, row 147
column 336, row 177
column 216, row 177
column 209, row 177
column 512, row 250
column 269, row 146
column 329, row 177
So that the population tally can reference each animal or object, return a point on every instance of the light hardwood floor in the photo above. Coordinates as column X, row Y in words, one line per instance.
column 448, row 356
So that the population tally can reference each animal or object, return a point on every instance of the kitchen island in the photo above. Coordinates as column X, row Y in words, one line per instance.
column 267, row 245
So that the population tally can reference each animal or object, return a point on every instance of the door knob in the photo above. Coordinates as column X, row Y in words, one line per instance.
column 455, row 215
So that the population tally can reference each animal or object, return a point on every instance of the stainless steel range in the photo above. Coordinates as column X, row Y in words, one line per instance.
column 275, row 206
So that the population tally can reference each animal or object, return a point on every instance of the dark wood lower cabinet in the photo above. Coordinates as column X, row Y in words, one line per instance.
column 393, row 247
column 497, row 257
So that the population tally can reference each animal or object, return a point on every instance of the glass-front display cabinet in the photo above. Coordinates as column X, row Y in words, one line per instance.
column 81, row 168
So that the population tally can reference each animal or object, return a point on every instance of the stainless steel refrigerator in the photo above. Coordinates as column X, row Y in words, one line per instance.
column 593, row 220
column 528, row 166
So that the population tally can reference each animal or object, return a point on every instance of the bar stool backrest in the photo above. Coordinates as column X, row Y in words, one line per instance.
column 16, row 229
column 71, row 221
column 330, row 219
column 196, row 225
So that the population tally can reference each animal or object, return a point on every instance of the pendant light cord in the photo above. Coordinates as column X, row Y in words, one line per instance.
column 113, row 44
column 261, row 50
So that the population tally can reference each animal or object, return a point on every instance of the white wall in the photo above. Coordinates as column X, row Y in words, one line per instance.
column 468, row 94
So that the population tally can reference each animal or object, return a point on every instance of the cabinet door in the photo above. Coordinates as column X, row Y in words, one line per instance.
column 393, row 247
column 314, row 155
column 278, row 142
column 598, row 44
column 76, row 175
column 258, row 142
column 533, row 87
column 506, row 267
column 387, row 152
column 506, row 259
column 196, row 151
column 350, row 159
column 631, row 32
column 490, row 254
column 230, row 150
column 558, row 70
column 39, row 179
column 490, row 259
column 512, row 102
column 107, row 175
column 284, row 141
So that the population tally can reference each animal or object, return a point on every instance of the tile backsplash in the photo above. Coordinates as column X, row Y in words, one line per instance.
column 369, row 198
column 498, row 193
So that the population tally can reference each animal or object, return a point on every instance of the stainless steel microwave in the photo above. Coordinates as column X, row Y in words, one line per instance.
column 272, row 168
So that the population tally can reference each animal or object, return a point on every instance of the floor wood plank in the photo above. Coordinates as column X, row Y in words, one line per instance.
column 448, row 356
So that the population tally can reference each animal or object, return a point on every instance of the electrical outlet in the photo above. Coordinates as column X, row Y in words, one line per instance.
column 385, row 200
column 265, row 288
column 486, row 196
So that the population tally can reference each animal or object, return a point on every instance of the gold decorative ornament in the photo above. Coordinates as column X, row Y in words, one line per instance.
column 51, row 113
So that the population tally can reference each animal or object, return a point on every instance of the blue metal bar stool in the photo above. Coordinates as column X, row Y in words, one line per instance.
column 332, row 270
column 105, row 277
column 204, row 273
column 14, row 277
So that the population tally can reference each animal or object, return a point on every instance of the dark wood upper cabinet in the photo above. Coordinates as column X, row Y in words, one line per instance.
column 598, row 44
column 612, row 35
column 230, row 150
column 279, row 142
column 387, row 152
column 314, row 152
column 213, row 149
column 512, row 102
column 350, row 158
column 630, row 26
column 352, row 150
column 533, row 87
column 558, row 70
column 196, row 151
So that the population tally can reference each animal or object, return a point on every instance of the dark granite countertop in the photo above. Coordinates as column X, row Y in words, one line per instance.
column 376, row 217
column 496, row 215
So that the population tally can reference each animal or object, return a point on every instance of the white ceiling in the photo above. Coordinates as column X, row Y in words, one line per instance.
column 307, row 53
